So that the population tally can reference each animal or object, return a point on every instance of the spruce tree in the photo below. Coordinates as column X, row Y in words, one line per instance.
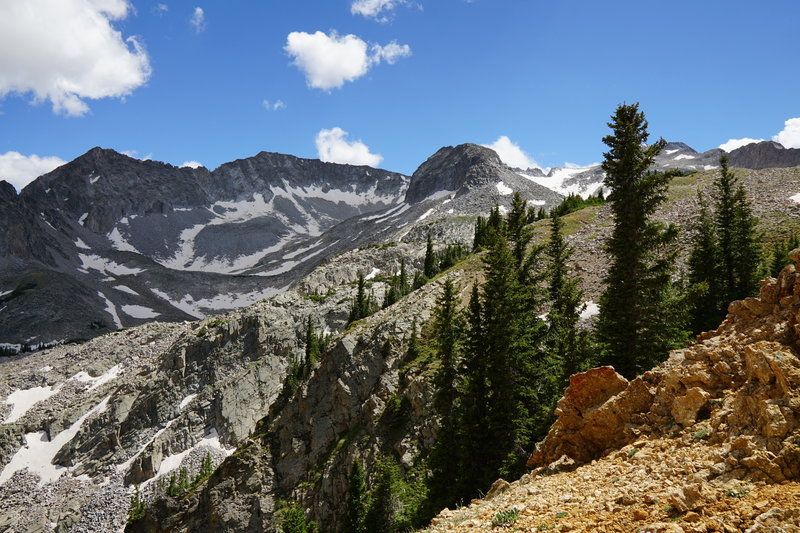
column 704, row 278
column 739, row 251
column 356, row 500
column 363, row 303
column 430, row 269
column 384, row 500
column 313, row 346
column 567, row 344
column 444, row 455
column 635, row 326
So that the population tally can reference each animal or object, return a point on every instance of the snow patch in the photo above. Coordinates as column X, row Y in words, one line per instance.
column 710, row 167
column 375, row 272
column 80, row 244
column 670, row 152
column 590, row 310
column 102, row 379
column 128, row 290
column 38, row 452
column 22, row 400
column 186, row 401
column 83, row 218
column 94, row 179
column 426, row 214
column 503, row 189
column 105, row 266
column 682, row 156
column 139, row 311
column 557, row 179
column 111, row 309
column 795, row 198
column 172, row 462
column 221, row 302
column 119, row 242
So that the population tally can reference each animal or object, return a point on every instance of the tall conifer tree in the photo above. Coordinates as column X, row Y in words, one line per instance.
column 635, row 307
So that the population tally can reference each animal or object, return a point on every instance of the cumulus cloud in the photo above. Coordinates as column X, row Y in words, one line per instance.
column 191, row 164
column 66, row 51
column 379, row 10
column 329, row 61
column 277, row 105
column 19, row 170
column 333, row 147
column 733, row 144
column 198, row 20
column 390, row 52
column 789, row 137
column 135, row 155
column 511, row 154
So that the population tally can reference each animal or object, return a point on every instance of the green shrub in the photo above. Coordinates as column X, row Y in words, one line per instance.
column 506, row 518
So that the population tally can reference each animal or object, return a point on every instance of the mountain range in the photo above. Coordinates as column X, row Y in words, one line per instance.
column 85, row 426
column 108, row 241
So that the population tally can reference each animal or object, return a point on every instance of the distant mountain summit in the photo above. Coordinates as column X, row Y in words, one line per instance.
column 107, row 241
column 766, row 154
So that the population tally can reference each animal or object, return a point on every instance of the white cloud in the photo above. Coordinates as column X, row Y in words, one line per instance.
column 160, row 9
column 198, row 20
column 733, row 144
column 191, row 164
column 277, row 105
column 19, row 170
column 135, row 155
column 789, row 137
column 66, row 51
column 329, row 61
column 511, row 154
column 390, row 52
column 375, row 8
column 333, row 147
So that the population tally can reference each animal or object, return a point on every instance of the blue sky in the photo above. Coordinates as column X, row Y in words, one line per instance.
column 213, row 81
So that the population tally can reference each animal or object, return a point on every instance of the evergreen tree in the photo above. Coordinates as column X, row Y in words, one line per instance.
column 739, row 252
column 363, row 303
column 430, row 269
column 293, row 520
column 567, row 344
column 473, row 406
column 384, row 502
column 635, row 326
column 413, row 342
column 704, row 282
column 356, row 500
column 444, row 455
column 747, row 249
column 478, row 241
column 402, row 280
column 313, row 345
column 516, row 228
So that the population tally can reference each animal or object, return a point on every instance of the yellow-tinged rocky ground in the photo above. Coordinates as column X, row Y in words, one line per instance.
column 707, row 441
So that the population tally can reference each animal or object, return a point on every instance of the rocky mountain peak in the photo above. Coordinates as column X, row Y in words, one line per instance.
column 453, row 168
column 683, row 147
column 765, row 154
column 7, row 192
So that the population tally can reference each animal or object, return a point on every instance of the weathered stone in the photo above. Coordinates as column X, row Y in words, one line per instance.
column 498, row 487
column 686, row 407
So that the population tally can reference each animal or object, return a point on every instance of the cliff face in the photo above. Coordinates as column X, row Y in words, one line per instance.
column 707, row 441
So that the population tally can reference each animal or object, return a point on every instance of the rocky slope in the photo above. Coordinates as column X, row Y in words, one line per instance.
column 707, row 441
column 81, row 424
column 123, row 242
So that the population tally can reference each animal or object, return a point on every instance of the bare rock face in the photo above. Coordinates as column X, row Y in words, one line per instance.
column 737, row 387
